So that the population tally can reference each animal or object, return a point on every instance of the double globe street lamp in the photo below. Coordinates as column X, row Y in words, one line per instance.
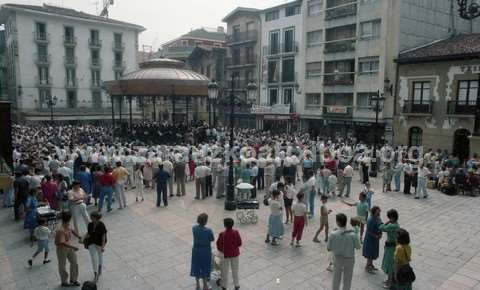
column 213, row 89
column 376, row 104
column 251, row 90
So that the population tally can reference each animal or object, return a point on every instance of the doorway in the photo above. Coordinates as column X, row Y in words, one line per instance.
column 461, row 144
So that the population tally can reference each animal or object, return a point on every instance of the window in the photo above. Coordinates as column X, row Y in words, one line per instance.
column 287, row 96
column 69, row 53
column 249, row 76
column 42, row 51
column 250, row 27
column 236, row 33
column 43, row 95
column 236, row 56
column 43, row 75
column 313, row 70
column 118, row 58
column 274, row 42
column 95, row 57
column 288, row 70
column 118, row 75
column 96, row 78
column 368, row 65
column 70, row 77
column 370, row 29
column 71, row 99
column 271, row 15
column 41, row 30
column 314, row 99
column 94, row 37
column 117, row 37
column 315, row 7
column 69, row 34
column 208, row 71
column 250, row 55
column 314, row 38
column 292, row 10
column 415, row 136
column 273, row 71
column 467, row 93
column 273, row 96
column 96, row 99
column 340, row 99
column 421, row 93
column 184, row 43
column 289, row 40
column 363, row 100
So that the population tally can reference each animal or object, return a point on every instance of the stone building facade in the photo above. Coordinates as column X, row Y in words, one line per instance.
column 437, row 95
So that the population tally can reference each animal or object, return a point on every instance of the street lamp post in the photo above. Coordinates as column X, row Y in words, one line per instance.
column 230, row 202
column 51, row 102
column 212, row 98
column 376, row 104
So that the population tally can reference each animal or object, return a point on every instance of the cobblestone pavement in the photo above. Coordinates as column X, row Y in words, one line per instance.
column 149, row 247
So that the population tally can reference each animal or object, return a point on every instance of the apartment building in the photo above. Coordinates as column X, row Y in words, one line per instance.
column 59, row 57
column 350, row 47
column 182, row 47
column 281, row 74
column 242, row 60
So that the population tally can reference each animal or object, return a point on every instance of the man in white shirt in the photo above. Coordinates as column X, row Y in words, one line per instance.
column 168, row 167
column 200, row 174
column 347, row 179
column 343, row 243
column 423, row 173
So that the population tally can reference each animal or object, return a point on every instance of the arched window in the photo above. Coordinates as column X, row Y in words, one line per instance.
column 415, row 136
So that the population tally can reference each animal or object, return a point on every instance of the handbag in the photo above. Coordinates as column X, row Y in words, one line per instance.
column 405, row 274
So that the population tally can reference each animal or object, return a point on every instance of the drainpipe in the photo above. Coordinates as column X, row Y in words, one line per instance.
column 452, row 19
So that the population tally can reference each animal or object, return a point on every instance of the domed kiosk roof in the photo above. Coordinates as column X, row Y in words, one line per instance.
column 160, row 77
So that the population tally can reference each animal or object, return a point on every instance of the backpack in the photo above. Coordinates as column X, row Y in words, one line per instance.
column 87, row 285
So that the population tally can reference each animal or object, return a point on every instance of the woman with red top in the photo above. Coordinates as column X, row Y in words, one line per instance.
column 49, row 190
column 228, row 243
column 106, row 189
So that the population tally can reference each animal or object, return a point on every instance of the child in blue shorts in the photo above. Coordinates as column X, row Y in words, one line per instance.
column 41, row 233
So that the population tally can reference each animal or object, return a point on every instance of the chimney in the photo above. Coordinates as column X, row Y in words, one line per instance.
column 221, row 29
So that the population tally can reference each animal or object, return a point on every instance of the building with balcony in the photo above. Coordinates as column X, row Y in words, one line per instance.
column 243, row 60
column 181, row 47
column 438, row 94
column 350, row 47
column 61, row 52
column 281, row 76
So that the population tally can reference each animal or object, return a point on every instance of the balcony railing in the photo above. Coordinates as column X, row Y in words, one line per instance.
column 43, row 82
column 94, row 43
column 42, row 59
column 71, row 83
column 70, row 61
column 240, row 37
column 95, row 62
column 342, row 45
column 340, row 11
column 118, row 46
column 417, row 107
column 41, row 37
column 240, row 85
column 119, row 65
column 241, row 61
column 461, row 107
column 69, row 40
column 281, row 49
column 337, row 111
column 339, row 78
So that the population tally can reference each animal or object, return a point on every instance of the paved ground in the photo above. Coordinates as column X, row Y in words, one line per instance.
column 149, row 248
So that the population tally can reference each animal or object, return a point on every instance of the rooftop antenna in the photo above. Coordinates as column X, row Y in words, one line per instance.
column 106, row 5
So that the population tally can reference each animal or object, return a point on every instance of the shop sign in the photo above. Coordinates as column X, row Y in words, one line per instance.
column 275, row 109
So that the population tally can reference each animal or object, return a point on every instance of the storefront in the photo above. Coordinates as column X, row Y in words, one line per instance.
column 277, row 118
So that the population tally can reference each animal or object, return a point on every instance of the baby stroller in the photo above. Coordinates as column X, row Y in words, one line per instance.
column 246, row 206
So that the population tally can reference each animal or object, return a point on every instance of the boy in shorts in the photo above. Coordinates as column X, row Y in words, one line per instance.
column 324, row 212
column 41, row 233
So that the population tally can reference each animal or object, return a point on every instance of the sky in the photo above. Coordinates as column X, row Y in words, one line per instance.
column 163, row 19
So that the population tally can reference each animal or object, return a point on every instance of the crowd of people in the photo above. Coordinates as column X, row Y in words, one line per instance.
column 71, row 168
